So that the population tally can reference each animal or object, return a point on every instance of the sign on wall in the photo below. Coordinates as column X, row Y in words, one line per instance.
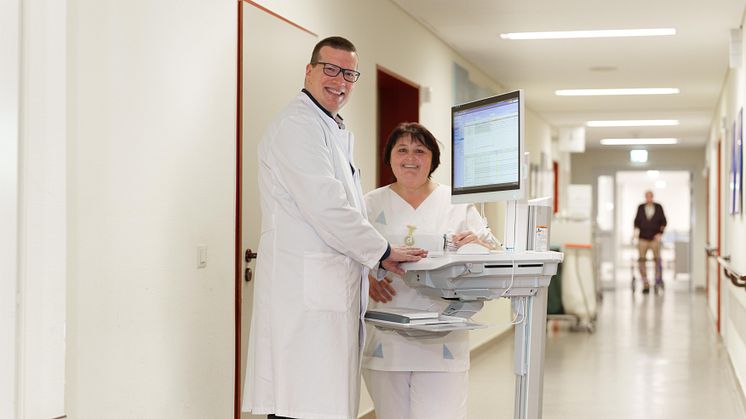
column 736, row 166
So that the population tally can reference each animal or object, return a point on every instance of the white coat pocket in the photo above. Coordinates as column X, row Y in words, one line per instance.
column 327, row 282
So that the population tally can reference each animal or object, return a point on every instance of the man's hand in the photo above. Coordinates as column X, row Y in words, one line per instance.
column 381, row 291
column 402, row 254
column 658, row 237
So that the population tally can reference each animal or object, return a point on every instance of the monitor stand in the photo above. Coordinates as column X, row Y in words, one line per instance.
column 516, row 224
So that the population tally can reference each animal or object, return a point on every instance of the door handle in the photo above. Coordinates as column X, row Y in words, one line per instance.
column 248, row 274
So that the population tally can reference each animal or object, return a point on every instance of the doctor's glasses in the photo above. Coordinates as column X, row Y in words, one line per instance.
column 333, row 70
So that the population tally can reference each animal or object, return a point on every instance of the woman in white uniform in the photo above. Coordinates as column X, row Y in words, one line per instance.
column 417, row 378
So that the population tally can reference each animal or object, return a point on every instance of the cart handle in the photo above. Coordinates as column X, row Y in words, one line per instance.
column 578, row 246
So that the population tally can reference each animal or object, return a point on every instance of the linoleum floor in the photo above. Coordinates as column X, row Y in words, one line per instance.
column 651, row 357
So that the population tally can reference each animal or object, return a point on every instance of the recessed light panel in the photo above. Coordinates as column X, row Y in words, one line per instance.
column 639, row 141
column 606, row 33
column 634, row 123
column 618, row 92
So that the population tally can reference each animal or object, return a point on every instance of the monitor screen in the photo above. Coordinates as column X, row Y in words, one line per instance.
column 487, row 145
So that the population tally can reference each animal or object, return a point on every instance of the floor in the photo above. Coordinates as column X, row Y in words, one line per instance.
column 652, row 356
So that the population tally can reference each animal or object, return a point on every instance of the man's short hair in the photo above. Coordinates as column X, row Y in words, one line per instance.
column 336, row 42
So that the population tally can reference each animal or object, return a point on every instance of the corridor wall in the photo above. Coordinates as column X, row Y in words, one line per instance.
column 151, row 151
column 149, row 156
column 9, row 80
column 732, row 231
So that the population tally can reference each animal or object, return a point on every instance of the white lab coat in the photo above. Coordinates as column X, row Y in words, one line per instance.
column 315, row 249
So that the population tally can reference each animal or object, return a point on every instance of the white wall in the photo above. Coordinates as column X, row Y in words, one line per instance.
column 9, row 82
column 151, row 152
column 733, row 227
column 42, row 212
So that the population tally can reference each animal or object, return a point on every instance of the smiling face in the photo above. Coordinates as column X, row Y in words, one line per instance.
column 410, row 162
column 331, row 92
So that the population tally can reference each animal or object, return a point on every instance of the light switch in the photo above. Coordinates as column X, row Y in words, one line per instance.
column 201, row 256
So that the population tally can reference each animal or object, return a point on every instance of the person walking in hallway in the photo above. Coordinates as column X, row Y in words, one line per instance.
column 650, row 222
column 315, row 251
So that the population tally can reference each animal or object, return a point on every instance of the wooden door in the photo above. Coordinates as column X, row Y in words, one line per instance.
column 274, row 55
column 398, row 101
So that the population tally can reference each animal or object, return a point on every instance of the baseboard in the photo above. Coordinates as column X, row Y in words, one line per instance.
column 736, row 381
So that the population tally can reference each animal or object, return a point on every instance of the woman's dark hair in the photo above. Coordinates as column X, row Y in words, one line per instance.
column 418, row 133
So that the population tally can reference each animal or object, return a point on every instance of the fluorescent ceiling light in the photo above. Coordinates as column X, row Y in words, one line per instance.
column 618, row 92
column 607, row 33
column 639, row 141
column 634, row 123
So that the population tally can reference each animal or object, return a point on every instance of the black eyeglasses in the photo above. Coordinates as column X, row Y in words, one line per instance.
column 333, row 70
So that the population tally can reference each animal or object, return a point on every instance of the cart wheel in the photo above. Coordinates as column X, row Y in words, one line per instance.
column 577, row 326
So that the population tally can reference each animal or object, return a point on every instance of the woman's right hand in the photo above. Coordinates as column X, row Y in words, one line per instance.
column 381, row 291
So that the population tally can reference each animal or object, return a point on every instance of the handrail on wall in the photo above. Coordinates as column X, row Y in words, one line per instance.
column 712, row 251
column 738, row 279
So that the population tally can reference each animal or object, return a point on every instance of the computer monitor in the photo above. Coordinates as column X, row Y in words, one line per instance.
column 487, row 149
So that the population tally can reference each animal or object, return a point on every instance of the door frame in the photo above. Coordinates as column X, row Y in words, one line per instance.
column 594, row 216
column 237, row 263
column 613, row 171
column 719, row 228
column 238, row 272
column 380, row 141
column 707, row 233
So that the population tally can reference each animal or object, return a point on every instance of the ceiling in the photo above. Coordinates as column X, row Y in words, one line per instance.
column 695, row 60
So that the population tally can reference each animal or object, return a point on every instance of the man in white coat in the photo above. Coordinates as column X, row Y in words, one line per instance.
column 315, row 250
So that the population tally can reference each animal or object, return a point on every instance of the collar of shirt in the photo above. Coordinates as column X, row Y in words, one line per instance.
column 649, row 210
column 338, row 119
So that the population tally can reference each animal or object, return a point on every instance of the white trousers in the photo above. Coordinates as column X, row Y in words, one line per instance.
column 418, row 395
